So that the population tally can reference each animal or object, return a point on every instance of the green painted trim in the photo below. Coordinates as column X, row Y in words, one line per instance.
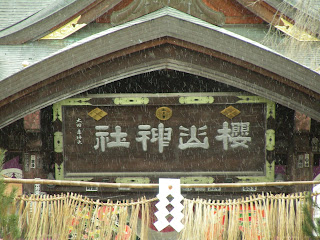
column 217, row 189
column 58, row 142
column 269, row 177
column 270, row 140
column 76, row 101
column 271, row 109
column 132, row 180
column 269, row 135
column 251, row 99
column 57, row 110
column 59, row 174
column 196, row 100
column 57, row 107
column 195, row 180
column 58, row 136
column 59, row 171
column 271, row 106
column 131, row 101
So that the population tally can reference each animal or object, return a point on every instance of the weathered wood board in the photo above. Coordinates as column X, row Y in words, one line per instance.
column 169, row 135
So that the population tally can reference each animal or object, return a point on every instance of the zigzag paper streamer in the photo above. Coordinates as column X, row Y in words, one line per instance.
column 169, row 187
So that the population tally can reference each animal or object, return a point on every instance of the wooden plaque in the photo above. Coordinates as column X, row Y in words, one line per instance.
column 200, row 134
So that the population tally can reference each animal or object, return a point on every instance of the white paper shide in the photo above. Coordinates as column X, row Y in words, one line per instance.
column 169, row 187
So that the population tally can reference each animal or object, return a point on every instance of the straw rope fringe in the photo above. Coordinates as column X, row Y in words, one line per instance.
column 263, row 216
column 72, row 216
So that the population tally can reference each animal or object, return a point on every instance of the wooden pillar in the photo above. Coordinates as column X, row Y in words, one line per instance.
column 301, row 157
column 33, row 157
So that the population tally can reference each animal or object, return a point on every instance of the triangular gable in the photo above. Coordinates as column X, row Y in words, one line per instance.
column 60, row 19
column 152, row 30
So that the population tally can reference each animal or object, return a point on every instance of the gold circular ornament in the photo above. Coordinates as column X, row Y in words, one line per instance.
column 163, row 113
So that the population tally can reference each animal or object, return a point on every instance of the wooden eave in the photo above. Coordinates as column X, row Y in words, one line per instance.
column 50, row 19
column 272, row 11
column 263, row 10
column 189, row 45
column 55, row 16
column 234, row 12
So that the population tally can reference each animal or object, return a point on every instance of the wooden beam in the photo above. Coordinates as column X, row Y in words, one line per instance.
column 153, row 185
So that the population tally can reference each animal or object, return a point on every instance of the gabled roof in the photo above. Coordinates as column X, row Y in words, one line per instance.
column 41, row 20
column 31, row 20
column 13, row 12
column 274, row 11
column 23, row 20
column 131, row 48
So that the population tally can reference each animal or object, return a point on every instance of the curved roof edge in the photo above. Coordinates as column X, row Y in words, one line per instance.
column 150, row 28
column 13, row 12
column 271, row 11
column 154, row 26
column 46, row 19
column 162, row 57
